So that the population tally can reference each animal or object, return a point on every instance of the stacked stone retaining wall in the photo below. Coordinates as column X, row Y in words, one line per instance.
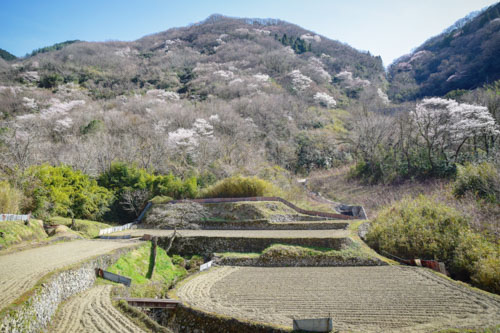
column 206, row 246
column 41, row 303
column 311, row 261
column 189, row 320
column 266, row 225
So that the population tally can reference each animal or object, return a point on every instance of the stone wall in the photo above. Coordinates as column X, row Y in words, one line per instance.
column 310, row 261
column 35, row 313
column 188, row 320
column 266, row 225
column 206, row 246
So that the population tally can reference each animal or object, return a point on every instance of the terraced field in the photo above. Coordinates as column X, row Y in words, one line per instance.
column 20, row 271
column 362, row 299
column 91, row 311
column 241, row 233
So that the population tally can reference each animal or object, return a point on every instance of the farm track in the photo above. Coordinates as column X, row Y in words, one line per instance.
column 20, row 271
column 241, row 233
column 366, row 299
column 91, row 311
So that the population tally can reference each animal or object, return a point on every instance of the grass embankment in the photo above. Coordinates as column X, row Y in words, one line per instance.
column 354, row 251
column 137, row 265
column 85, row 228
column 15, row 232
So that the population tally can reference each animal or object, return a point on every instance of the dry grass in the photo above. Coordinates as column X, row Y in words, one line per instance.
column 336, row 185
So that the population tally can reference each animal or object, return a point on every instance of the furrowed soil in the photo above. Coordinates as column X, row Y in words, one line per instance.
column 20, row 271
column 360, row 299
column 241, row 233
column 91, row 311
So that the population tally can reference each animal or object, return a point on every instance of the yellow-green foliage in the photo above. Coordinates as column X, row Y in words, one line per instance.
column 421, row 228
column 136, row 265
column 60, row 190
column 13, row 232
column 239, row 186
column 10, row 199
column 160, row 199
column 426, row 229
column 482, row 179
column 86, row 228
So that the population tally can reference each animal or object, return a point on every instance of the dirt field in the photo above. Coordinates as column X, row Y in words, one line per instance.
column 20, row 271
column 91, row 311
column 242, row 233
column 366, row 299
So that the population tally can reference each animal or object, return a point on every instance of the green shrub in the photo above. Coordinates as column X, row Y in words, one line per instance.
column 481, row 179
column 418, row 228
column 487, row 272
column 160, row 199
column 60, row 190
column 239, row 186
column 50, row 81
column 10, row 199
column 426, row 229
column 124, row 179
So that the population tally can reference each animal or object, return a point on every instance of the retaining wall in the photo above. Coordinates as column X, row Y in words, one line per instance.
column 288, row 203
column 266, row 225
column 189, row 320
column 34, row 314
column 310, row 261
column 206, row 246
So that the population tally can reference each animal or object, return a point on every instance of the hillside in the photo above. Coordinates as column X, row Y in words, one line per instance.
column 6, row 55
column 464, row 56
column 181, row 99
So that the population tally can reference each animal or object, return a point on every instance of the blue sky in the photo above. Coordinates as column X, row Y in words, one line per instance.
column 389, row 28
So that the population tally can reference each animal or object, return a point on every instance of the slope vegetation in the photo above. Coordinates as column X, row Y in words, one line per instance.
column 464, row 56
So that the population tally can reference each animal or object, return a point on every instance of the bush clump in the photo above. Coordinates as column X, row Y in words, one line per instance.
column 62, row 191
column 426, row 229
column 10, row 199
column 418, row 228
column 483, row 180
column 239, row 187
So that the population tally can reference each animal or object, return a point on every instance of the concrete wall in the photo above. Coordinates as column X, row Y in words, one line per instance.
column 35, row 313
column 206, row 246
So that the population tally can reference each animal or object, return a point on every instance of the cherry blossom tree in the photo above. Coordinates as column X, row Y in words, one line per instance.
column 446, row 125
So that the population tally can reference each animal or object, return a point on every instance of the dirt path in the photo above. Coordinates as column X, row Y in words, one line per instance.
column 91, row 311
column 365, row 299
column 20, row 271
column 241, row 233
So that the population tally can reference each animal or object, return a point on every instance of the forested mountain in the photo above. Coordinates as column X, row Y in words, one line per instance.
column 6, row 55
column 464, row 56
column 222, row 95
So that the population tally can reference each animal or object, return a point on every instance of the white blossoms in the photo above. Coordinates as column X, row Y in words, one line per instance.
column 300, row 82
column 227, row 75
column 162, row 94
column 448, row 121
column 190, row 137
column 30, row 103
column 59, row 108
column 261, row 77
column 350, row 81
column 325, row 100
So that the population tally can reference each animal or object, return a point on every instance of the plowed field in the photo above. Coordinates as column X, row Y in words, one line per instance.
column 20, row 271
column 91, row 311
column 366, row 299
